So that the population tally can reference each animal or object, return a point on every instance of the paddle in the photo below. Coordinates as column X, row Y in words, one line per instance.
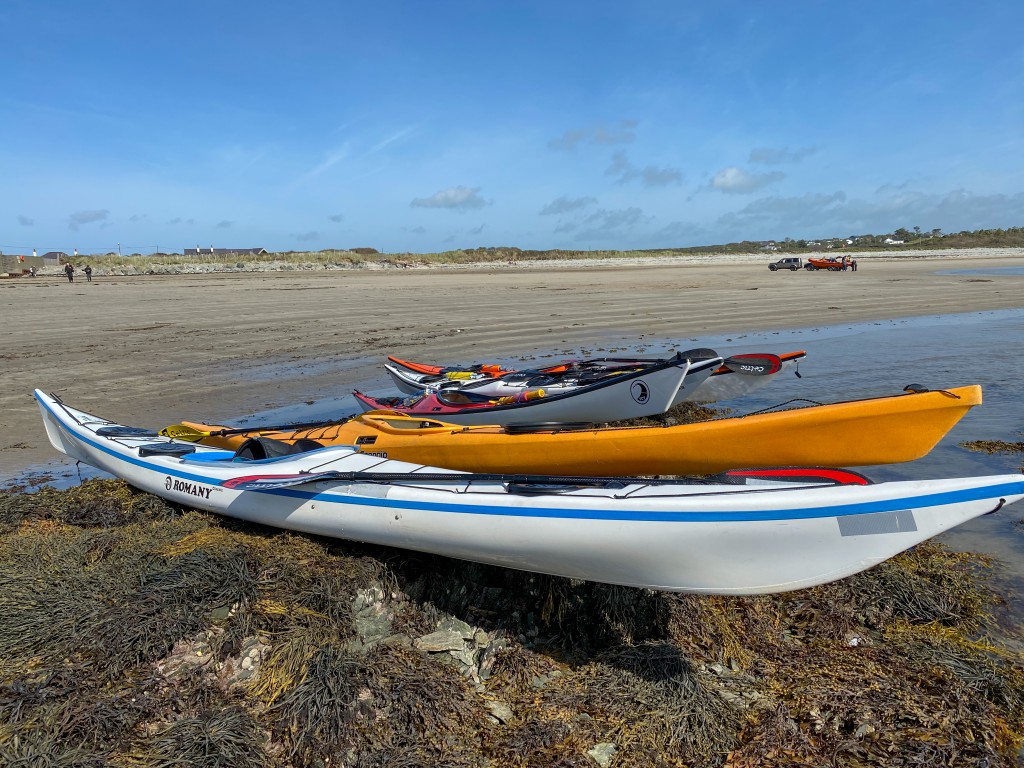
column 763, row 364
column 694, row 355
column 794, row 474
column 193, row 435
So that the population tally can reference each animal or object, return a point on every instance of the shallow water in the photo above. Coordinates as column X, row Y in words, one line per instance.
column 843, row 362
column 938, row 352
column 993, row 271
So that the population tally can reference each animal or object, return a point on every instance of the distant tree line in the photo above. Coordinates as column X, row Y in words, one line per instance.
column 901, row 239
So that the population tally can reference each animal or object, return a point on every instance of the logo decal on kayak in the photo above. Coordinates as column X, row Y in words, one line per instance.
column 640, row 391
column 754, row 369
column 182, row 486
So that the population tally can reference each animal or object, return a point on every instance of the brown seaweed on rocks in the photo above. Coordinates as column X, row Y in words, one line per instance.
column 994, row 446
column 139, row 634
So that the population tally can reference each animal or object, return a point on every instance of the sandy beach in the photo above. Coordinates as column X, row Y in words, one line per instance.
column 150, row 350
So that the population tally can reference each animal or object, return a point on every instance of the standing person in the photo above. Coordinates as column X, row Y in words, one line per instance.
column 88, row 273
column 69, row 270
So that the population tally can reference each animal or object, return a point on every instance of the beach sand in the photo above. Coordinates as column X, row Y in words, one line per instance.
column 152, row 350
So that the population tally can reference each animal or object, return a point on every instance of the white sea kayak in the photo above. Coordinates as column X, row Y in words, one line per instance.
column 713, row 537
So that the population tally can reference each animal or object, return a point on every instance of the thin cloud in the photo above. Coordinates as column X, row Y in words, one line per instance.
column 87, row 217
column 660, row 177
column 337, row 218
column 454, row 198
column 326, row 164
column 608, row 224
column 477, row 230
column 414, row 230
column 179, row 220
column 819, row 215
column 25, row 221
column 623, row 133
column 224, row 224
column 306, row 236
column 390, row 140
column 138, row 217
column 790, row 212
column 775, row 156
column 78, row 218
column 650, row 176
column 568, row 140
column 676, row 233
column 565, row 204
column 735, row 181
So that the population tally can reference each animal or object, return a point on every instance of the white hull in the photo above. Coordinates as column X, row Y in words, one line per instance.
column 630, row 396
column 723, row 384
column 715, row 539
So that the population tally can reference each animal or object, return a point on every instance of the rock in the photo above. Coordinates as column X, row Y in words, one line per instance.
column 372, row 629
column 602, row 753
column 221, row 613
column 488, row 656
column 441, row 640
column 467, row 656
column 457, row 625
column 502, row 712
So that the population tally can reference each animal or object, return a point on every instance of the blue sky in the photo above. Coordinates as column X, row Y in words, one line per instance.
column 416, row 126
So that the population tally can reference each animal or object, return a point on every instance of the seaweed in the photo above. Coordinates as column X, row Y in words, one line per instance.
column 993, row 446
column 215, row 738
column 94, row 503
column 139, row 634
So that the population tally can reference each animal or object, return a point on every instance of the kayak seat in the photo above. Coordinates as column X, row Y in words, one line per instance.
column 260, row 448
column 462, row 397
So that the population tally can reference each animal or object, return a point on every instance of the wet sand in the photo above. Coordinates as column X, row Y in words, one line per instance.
column 151, row 350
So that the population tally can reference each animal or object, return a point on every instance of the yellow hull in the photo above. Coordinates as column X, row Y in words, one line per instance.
column 883, row 430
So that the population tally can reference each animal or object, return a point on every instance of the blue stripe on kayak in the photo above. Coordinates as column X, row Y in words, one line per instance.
column 864, row 508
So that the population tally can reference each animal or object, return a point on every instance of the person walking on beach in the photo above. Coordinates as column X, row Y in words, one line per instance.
column 88, row 273
column 69, row 270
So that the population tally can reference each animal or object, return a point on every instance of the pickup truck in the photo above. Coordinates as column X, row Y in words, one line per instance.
column 792, row 263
